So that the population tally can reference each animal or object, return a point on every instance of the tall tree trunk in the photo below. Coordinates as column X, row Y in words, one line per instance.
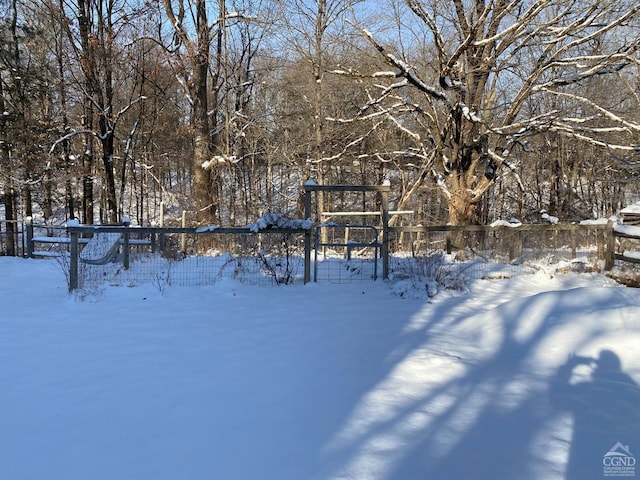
column 104, row 97
column 66, row 157
column 84, row 26
column 6, row 171
column 204, row 170
column 318, row 74
column 111, row 205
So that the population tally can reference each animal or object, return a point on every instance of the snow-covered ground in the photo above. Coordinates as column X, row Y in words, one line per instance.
column 319, row 381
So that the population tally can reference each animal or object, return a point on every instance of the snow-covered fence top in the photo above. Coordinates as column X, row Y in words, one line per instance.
column 631, row 214
column 630, row 245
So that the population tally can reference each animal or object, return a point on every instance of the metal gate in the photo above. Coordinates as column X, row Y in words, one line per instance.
column 346, row 253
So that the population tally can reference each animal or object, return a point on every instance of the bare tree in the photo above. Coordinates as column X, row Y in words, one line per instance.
column 316, row 31
column 22, row 107
column 93, row 95
column 500, row 67
column 193, row 35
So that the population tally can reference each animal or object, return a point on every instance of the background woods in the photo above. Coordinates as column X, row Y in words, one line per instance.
column 474, row 110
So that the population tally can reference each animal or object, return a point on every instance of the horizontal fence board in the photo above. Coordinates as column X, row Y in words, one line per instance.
column 625, row 258
column 190, row 230
column 366, row 214
column 347, row 188
column 625, row 235
column 489, row 228
column 57, row 240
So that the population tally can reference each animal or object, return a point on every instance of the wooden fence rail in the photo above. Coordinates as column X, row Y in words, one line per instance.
column 628, row 239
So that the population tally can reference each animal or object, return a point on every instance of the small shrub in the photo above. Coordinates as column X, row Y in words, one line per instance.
column 428, row 275
column 281, row 267
column 162, row 277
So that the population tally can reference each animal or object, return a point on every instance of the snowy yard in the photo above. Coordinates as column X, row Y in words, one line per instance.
column 320, row 381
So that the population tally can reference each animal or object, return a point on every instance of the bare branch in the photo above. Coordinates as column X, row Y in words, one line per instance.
column 405, row 70
column 69, row 136
column 607, row 113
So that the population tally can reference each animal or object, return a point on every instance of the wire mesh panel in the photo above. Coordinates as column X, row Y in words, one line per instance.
column 266, row 255
column 346, row 253
column 189, row 259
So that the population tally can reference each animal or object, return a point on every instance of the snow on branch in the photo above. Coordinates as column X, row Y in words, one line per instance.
column 522, row 25
column 231, row 16
column 427, row 18
column 602, row 27
column 380, row 74
column 468, row 114
column 219, row 160
column 603, row 111
column 502, row 160
column 373, row 102
column 126, row 108
column 416, row 137
column 404, row 69
column 441, row 184
column 528, row 126
column 625, row 160
column 69, row 136
column 600, row 69
column 185, row 89
column 571, row 132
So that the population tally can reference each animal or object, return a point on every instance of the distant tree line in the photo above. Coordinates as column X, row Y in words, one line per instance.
column 474, row 110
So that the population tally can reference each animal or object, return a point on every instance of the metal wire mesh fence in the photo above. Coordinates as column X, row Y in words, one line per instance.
column 338, row 253
column 164, row 258
column 346, row 253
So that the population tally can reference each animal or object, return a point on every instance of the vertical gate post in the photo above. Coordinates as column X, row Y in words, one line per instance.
column 125, row 244
column 307, row 236
column 610, row 250
column 29, row 229
column 183, row 237
column 161, row 235
column 73, row 261
column 385, row 231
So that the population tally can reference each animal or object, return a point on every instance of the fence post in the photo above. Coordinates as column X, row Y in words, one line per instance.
column 161, row 235
column 601, row 242
column 307, row 237
column 125, row 244
column 154, row 245
column 512, row 244
column 385, row 230
column 73, row 261
column 29, row 228
column 610, row 251
column 183, row 237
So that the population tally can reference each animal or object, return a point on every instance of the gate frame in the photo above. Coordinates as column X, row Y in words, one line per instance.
column 384, row 189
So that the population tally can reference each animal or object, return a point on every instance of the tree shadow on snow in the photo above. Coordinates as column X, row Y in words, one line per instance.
column 495, row 420
column 485, row 434
column 606, row 417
